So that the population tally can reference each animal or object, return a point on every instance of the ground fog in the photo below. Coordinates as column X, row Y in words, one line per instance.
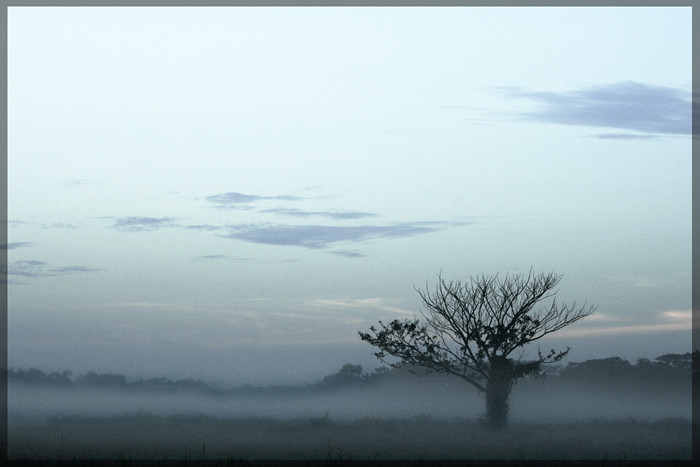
column 350, row 415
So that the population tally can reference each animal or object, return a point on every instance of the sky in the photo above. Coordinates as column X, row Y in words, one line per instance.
column 233, row 193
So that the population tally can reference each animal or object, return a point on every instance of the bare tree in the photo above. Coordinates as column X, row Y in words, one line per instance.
column 472, row 328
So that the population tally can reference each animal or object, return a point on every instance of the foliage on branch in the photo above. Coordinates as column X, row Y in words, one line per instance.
column 469, row 326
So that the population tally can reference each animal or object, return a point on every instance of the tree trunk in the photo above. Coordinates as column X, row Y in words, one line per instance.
column 497, row 391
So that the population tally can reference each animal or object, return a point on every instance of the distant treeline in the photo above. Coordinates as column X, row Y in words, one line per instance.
column 666, row 372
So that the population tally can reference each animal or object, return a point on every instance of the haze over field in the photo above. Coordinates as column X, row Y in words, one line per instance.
column 551, row 399
column 576, row 412
column 232, row 194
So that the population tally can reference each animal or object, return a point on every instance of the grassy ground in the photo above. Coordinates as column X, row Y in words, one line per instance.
column 145, row 436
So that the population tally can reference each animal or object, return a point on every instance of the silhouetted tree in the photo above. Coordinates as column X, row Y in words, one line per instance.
column 108, row 379
column 60, row 378
column 32, row 375
column 684, row 361
column 695, row 370
column 348, row 375
column 604, row 374
column 471, row 329
column 603, row 368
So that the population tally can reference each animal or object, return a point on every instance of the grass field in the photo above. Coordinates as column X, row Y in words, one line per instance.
column 147, row 436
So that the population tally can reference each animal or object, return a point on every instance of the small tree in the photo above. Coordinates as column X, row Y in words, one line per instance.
column 348, row 375
column 471, row 329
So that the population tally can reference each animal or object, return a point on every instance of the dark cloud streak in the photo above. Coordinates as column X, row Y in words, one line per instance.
column 202, row 227
column 141, row 224
column 60, row 225
column 625, row 136
column 628, row 105
column 347, row 253
column 321, row 236
column 210, row 258
column 72, row 269
column 239, row 259
column 76, row 182
column 34, row 268
column 234, row 200
column 14, row 245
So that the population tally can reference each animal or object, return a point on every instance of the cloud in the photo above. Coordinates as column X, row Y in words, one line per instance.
column 234, row 200
column 34, row 268
column 60, row 225
column 624, row 136
column 685, row 316
column 628, row 105
column 28, row 268
column 76, row 182
column 376, row 303
column 321, row 236
column 329, row 214
column 72, row 269
column 14, row 245
column 639, row 280
column 202, row 227
column 140, row 224
column 605, row 318
column 667, row 321
column 620, row 330
column 211, row 257
column 347, row 253
column 240, row 259
column 145, row 224
column 224, row 257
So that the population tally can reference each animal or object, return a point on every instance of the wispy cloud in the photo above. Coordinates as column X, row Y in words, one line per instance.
column 321, row 236
column 202, row 227
column 629, row 105
column 347, row 253
column 14, row 245
column 72, row 269
column 620, row 330
column 679, row 316
column 237, row 259
column 148, row 224
column 235, row 200
column 76, row 182
column 28, row 268
column 376, row 303
column 240, row 259
column 147, row 305
column 210, row 257
column 61, row 225
column 625, row 136
column 638, row 280
column 34, row 268
column 666, row 321
column 605, row 318
column 330, row 214
column 140, row 224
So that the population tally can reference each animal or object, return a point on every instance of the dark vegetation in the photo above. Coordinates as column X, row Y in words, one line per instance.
column 671, row 372
column 427, row 421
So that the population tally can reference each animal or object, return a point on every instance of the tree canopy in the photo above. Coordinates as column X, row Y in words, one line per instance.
column 471, row 328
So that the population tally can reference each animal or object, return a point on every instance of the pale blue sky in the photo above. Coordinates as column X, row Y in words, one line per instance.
column 193, row 189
